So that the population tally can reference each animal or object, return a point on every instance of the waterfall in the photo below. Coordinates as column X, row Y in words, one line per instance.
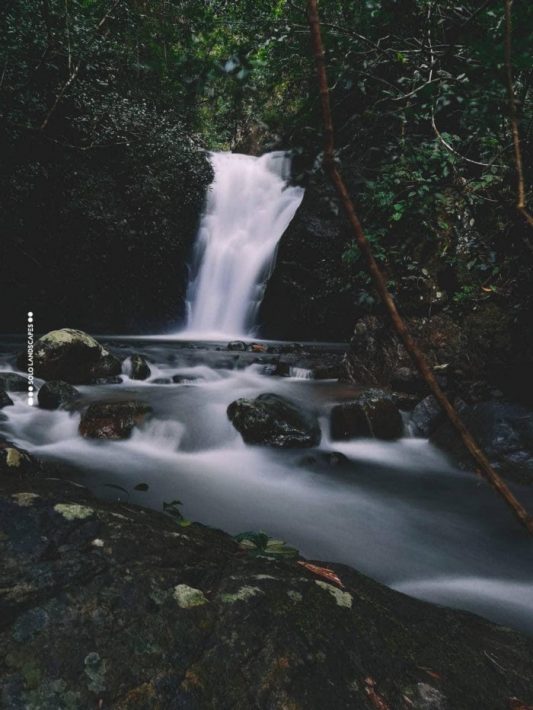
column 249, row 206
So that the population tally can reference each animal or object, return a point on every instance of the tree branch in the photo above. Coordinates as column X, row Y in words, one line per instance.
column 379, row 281
column 513, row 116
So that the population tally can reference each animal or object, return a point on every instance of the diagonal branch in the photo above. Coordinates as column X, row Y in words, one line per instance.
column 513, row 116
column 379, row 281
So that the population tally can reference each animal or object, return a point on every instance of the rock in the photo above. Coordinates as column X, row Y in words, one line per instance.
column 16, row 463
column 71, row 355
column 331, row 458
column 5, row 399
column 237, row 345
column 426, row 417
column 56, row 393
column 140, row 369
column 106, row 380
column 185, row 379
column 274, row 421
column 161, row 381
column 13, row 382
column 408, row 381
column 106, row 602
column 504, row 432
column 112, row 420
column 257, row 348
column 373, row 413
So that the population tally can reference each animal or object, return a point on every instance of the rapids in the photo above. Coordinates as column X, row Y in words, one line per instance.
column 396, row 511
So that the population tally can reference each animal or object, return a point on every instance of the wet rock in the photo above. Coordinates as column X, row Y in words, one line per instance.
column 72, row 356
column 408, row 381
column 258, row 348
column 113, row 420
column 161, row 381
column 331, row 458
column 16, row 463
column 116, row 380
column 505, row 433
column 426, row 417
column 237, row 345
column 199, row 621
column 13, row 382
column 140, row 370
column 5, row 399
column 56, row 393
column 274, row 421
column 185, row 379
column 373, row 414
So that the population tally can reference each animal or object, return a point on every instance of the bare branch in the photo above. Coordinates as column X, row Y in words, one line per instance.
column 513, row 116
column 379, row 281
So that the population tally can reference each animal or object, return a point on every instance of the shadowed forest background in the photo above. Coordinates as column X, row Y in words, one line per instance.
column 108, row 107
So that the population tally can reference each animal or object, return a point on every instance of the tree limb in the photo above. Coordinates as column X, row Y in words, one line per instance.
column 513, row 116
column 379, row 281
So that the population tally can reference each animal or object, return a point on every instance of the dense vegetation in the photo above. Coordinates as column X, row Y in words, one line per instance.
column 105, row 106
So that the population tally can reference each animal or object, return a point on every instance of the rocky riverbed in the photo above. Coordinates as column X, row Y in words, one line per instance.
column 112, row 605
column 108, row 602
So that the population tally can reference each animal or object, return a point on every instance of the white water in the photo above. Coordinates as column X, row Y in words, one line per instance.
column 248, row 208
column 395, row 510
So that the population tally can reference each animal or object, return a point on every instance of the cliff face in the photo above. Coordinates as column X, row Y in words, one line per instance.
column 310, row 294
column 111, row 605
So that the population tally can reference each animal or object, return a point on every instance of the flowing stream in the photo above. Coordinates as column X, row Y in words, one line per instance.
column 249, row 206
column 396, row 511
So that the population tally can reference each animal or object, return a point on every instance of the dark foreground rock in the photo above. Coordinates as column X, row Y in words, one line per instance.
column 56, row 394
column 505, row 433
column 71, row 355
column 373, row 413
column 274, row 421
column 104, row 605
column 113, row 420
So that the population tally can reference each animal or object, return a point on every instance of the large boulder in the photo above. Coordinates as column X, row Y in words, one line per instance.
column 505, row 433
column 373, row 413
column 13, row 382
column 112, row 606
column 71, row 355
column 113, row 420
column 56, row 393
column 274, row 421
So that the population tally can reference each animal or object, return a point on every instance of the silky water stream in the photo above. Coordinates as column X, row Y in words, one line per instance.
column 396, row 511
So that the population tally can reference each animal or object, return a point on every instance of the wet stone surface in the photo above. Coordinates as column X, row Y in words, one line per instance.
column 113, row 606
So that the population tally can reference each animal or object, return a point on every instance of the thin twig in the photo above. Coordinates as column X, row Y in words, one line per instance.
column 379, row 281
column 74, row 73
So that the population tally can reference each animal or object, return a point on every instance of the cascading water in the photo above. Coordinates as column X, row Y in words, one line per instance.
column 248, row 208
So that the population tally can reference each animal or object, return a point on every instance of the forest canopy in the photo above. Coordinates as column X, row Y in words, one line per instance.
column 106, row 103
